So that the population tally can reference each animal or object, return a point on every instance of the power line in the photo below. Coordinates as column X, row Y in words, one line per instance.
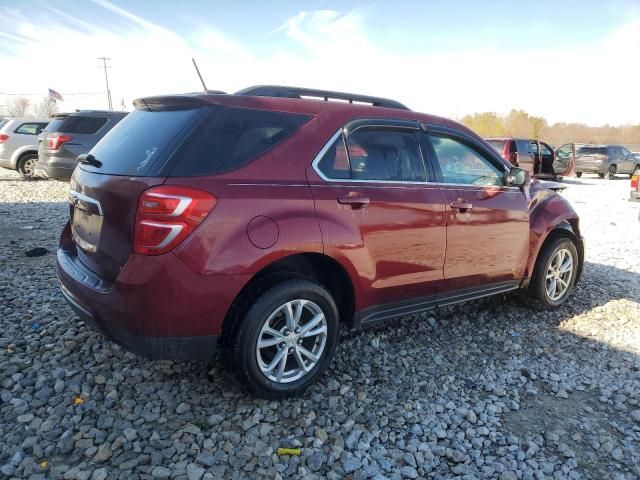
column 63, row 93
column 106, row 79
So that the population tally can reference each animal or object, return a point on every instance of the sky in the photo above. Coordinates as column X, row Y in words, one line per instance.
column 568, row 61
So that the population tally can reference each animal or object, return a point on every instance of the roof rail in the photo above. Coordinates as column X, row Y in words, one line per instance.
column 326, row 95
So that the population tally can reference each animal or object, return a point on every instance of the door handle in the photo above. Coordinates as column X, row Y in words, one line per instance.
column 354, row 200
column 462, row 205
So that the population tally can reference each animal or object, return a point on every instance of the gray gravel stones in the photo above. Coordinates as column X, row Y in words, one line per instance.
column 484, row 390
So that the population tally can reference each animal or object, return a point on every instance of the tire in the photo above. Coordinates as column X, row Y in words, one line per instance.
column 601, row 175
column 611, row 172
column 636, row 171
column 26, row 165
column 540, row 292
column 259, row 368
column 578, row 174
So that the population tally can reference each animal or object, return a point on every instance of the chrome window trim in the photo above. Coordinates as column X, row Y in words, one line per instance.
column 335, row 136
column 79, row 196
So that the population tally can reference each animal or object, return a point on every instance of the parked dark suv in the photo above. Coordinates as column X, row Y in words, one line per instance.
column 264, row 221
column 605, row 160
column 67, row 136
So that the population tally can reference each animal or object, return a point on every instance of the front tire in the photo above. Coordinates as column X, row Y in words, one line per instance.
column 554, row 275
column 26, row 166
column 286, row 339
column 578, row 174
column 611, row 173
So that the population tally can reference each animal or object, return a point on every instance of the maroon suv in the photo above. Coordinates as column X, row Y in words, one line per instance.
column 262, row 222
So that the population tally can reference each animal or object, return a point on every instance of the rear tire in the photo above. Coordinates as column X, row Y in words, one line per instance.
column 26, row 166
column 636, row 171
column 601, row 175
column 611, row 173
column 286, row 338
column 578, row 174
column 554, row 275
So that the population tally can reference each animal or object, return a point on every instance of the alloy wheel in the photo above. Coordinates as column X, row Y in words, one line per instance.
column 559, row 273
column 291, row 341
column 28, row 166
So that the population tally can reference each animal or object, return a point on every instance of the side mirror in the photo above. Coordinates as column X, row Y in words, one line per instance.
column 517, row 177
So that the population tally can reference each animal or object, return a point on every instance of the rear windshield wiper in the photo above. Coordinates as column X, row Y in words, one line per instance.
column 89, row 159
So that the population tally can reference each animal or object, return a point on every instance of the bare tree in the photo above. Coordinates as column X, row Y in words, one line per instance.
column 46, row 108
column 18, row 107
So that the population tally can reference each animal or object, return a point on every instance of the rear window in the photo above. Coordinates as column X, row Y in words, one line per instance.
column 228, row 138
column 192, row 142
column 134, row 145
column 54, row 124
column 592, row 151
column 82, row 125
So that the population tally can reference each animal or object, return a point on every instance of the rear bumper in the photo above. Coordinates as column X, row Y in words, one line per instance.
column 53, row 167
column 198, row 349
column 156, row 307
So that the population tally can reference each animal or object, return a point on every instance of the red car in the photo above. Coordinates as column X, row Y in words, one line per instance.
column 536, row 157
column 262, row 222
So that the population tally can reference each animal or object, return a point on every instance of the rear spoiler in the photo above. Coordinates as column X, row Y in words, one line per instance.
column 174, row 102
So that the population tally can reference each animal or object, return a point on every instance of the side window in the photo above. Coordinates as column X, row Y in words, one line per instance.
column 335, row 163
column 30, row 128
column 524, row 147
column 545, row 149
column 385, row 154
column 462, row 164
column 625, row 152
column 82, row 125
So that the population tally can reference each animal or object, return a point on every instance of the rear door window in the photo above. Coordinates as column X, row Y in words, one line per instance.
column 79, row 124
column 228, row 138
column 31, row 128
column 387, row 155
column 592, row 151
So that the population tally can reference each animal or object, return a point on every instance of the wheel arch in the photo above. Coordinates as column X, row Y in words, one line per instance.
column 567, row 228
column 316, row 266
column 21, row 152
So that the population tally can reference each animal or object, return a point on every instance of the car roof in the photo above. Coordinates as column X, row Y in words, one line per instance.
column 310, row 106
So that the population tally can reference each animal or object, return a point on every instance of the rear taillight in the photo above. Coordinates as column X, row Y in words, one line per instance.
column 3, row 137
column 634, row 182
column 167, row 215
column 55, row 140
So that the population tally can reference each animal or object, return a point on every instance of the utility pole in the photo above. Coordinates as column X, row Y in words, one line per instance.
column 106, row 79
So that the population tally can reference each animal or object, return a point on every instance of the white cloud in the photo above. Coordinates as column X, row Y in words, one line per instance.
column 595, row 83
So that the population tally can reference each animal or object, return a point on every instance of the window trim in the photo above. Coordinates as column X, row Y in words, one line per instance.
column 489, row 154
column 383, row 123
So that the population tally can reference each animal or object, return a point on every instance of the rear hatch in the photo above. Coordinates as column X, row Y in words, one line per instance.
column 104, row 198
column 176, row 136
column 590, row 157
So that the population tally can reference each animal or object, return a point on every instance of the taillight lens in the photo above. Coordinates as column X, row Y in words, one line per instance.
column 55, row 141
column 166, row 215
column 634, row 182
column 3, row 137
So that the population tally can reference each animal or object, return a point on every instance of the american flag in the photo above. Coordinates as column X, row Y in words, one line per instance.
column 55, row 95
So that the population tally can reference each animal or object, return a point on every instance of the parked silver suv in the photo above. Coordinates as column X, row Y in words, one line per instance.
column 19, row 143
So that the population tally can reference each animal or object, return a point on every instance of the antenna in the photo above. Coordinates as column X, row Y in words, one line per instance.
column 198, row 72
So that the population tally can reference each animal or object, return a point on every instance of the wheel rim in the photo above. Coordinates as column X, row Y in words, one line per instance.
column 291, row 341
column 28, row 166
column 612, row 171
column 559, row 274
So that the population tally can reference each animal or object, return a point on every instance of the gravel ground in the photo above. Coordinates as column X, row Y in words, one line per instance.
column 483, row 390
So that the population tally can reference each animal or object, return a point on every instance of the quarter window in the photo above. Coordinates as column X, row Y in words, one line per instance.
column 462, row 164
column 335, row 162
